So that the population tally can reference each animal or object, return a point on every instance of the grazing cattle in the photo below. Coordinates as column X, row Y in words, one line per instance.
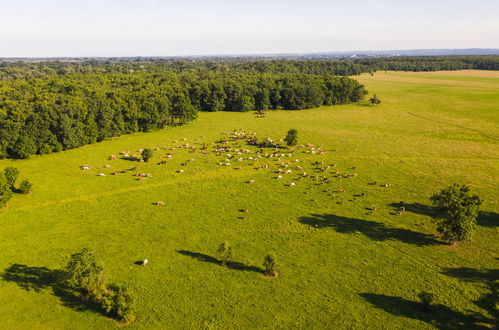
column 180, row 171
column 145, row 262
column 279, row 176
column 85, row 167
column 107, row 166
column 102, row 174
column 292, row 184
column 160, row 203
column 112, row 157
column 402, row 209
column 252, row 181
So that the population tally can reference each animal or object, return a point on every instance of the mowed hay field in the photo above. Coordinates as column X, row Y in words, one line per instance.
column 360, row 269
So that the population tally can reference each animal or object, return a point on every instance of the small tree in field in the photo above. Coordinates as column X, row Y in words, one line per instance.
column 270, row 265
column 457, row 211
column 25, row 187
column 375, row 100
column 147, row 154
column 291, row 138
column 426, row 299
column 11, row 174
column 119, row 303
column 83, row 273
column 225, row 253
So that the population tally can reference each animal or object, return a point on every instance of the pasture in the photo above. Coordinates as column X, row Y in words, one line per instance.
column 346, row 259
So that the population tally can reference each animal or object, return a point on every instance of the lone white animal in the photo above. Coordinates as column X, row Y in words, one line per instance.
column 292, row 184
column 145, row 262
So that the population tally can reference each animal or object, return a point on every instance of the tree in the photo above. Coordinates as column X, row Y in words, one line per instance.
column 147, row 154
column 11, row 174
column 457, row 211
column 83, row 273
column 375, row 100
column 5, row 189
column 270, row 265
column 225, row 253
column 292, row 137
column 25, row 187
column 426, row 299
column 119, row 302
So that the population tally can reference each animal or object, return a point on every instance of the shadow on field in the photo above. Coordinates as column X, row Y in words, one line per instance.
column 376, row 231
column 489, row 277
column 488, row 219
column 414, row 208
column 40, row 278
column 232, row 265
column 442, row 317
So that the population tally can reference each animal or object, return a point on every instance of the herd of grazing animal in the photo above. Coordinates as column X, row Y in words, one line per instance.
column 242, row 148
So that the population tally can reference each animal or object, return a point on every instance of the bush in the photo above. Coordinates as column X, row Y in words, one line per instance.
column 426, row 299
column 83, row 273
column 457, row 211
column 270, row 265
column 25, row 187
column 5, row 189
column 292, row 137
column 119, row 303
column 225, row 252
column 147, row 154
column 11, row 174
column 374, row 100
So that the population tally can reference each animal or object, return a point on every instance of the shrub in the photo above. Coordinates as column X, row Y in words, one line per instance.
column 457, row 211
column 147, row 154
column 270, row 265
column 25, row 187
column 426, row 299
column 292, row 137
column 11, row 174
column 83, row 273
column 119, row 303
column 5, row 189
column 225, row 252
column 375, row 100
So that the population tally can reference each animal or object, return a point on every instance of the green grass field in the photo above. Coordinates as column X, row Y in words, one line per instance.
column 360, row 269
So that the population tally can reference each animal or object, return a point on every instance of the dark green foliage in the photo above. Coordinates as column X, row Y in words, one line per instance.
column 225, row 253
column 291, row 138
column 457, row 211
column 147, row 154
column 426, row 299
column 25, row 187
column 375, row 100
column 5, row 189
column 270, row 266
column 11, row 174
column 119, row 303
column 84, row 274
column 44, row 111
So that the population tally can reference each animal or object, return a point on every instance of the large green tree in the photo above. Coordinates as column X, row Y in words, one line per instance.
column 457, row 211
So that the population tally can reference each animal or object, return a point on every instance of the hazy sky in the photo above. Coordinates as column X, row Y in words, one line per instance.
column 191, row 27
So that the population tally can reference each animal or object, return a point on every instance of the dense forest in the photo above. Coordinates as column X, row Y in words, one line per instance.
column 43, row 112
column 48, row 106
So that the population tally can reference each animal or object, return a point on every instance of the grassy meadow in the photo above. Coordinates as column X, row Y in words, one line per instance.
column 361, row 268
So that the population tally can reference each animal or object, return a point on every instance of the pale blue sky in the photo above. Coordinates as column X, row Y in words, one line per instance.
column 193, row 27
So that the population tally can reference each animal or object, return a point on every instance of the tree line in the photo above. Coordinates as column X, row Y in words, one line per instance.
column 40, row 115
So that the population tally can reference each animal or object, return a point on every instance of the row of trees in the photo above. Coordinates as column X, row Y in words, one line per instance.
column 11, row 70
column 44, row 115
column 8, row 178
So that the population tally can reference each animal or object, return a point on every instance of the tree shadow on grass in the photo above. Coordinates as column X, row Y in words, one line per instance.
column 490, row 277
column 41, row 278
column 414, row 208
column 488, row 219
column 376, row 231
column 440, row 316
column 232, row 265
